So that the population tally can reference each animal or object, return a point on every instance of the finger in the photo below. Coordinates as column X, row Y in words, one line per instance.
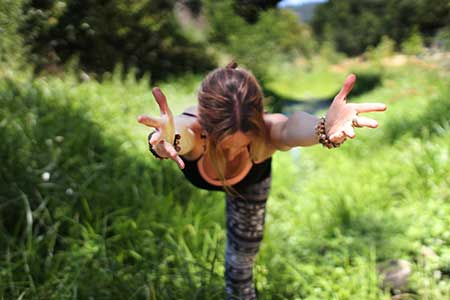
column 179, row 162
column 335, row 137
column 347, row 87
column 156, row 138
column 367, row 122
column 173, row 154
column 369, row 107
column 161, row 99
column 338, row 138
column 349, row 131
column 341, row 140
column 154, row 122
column 170, row 149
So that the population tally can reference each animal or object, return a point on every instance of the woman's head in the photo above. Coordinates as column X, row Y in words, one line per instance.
column 231, row 105
column 230, row 100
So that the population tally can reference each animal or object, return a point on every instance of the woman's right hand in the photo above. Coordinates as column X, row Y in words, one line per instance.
column 163, row 138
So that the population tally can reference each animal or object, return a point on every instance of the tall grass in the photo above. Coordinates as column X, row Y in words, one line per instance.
column 382, row 196
column 87, row 213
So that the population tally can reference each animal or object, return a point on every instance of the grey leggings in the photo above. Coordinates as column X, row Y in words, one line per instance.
column 245, row 227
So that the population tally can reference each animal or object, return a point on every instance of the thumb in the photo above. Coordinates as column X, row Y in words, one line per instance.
column 346, row 88
column 156, row 138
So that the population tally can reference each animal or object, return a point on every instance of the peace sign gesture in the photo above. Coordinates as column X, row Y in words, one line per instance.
column 342, row 117
column 164, row 136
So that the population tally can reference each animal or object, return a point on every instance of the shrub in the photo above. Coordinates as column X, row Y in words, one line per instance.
column 442, row 39
column 277, row 35
column 384, row 49
column 414, row 44
column 142, row 35
column 11, row 18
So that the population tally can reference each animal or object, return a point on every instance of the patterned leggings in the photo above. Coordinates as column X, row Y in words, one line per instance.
column 245, row 226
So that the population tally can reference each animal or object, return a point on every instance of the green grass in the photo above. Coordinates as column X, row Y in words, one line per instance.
column 111, row 222
column 309, row 81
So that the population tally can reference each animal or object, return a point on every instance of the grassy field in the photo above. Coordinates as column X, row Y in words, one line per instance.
column 87, row 213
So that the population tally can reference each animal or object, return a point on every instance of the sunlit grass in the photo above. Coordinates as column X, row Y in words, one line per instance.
column 311, row 80
column 109, row 221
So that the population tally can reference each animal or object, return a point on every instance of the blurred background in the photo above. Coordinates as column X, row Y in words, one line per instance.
column 87, row 213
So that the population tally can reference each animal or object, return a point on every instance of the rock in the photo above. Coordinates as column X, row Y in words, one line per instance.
column 84, row 76
column 428, row 253
column 395, row 274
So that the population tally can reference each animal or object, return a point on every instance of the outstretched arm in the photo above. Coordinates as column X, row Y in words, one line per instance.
column 341, row 118
column 293, row 131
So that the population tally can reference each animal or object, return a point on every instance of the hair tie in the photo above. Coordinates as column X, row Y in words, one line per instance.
column 232, row 65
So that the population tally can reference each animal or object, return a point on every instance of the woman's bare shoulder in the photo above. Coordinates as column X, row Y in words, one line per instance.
column 191, row 122
column 274, row 119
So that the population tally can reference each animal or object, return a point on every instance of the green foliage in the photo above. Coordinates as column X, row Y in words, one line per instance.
column 84, row 215
column 329, row 53
column 414, row 44
column 11, row 18
column 86, row 212
column 384, row 49
column 250, row 10
column 442, row 39
column 354, row 25
column 309, row 81
column 142, row 35
column 350, row 25
column 275, row 37
column 377, row 198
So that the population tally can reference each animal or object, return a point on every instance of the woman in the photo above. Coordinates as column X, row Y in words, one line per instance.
column 226, row 142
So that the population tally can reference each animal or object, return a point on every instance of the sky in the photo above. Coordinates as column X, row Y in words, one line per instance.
column 297, row 2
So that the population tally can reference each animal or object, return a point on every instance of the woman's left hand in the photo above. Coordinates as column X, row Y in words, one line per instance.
column 342, row 117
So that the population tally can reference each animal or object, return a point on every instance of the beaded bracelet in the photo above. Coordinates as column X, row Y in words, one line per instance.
column 323, row 137
column 176, row 142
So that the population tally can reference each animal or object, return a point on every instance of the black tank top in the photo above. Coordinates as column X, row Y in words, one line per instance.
column 257, row 173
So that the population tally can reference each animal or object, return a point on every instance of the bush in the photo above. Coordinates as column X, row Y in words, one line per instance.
column 414, row 44
column 355, row 25
column 329, row 53
column 142, row 35
column 277, row 35
column 384, row 49
column 84, row 211
column 11, row 18
column 442, row 39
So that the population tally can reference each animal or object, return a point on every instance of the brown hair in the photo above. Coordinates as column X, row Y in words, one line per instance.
column 231, row 100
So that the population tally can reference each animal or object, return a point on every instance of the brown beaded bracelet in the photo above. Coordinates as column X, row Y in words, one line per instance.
column 176, row 142
column 323, row 137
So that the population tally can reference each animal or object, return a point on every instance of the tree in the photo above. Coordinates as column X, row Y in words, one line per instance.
column 250, row 9
column 11, row 18
column 141, row 34
column 275, row 36
column 353, row 25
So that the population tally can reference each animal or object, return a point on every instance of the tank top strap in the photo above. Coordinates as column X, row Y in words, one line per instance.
column 189, row 114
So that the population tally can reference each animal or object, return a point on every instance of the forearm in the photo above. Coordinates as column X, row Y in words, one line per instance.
column 299, row 130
